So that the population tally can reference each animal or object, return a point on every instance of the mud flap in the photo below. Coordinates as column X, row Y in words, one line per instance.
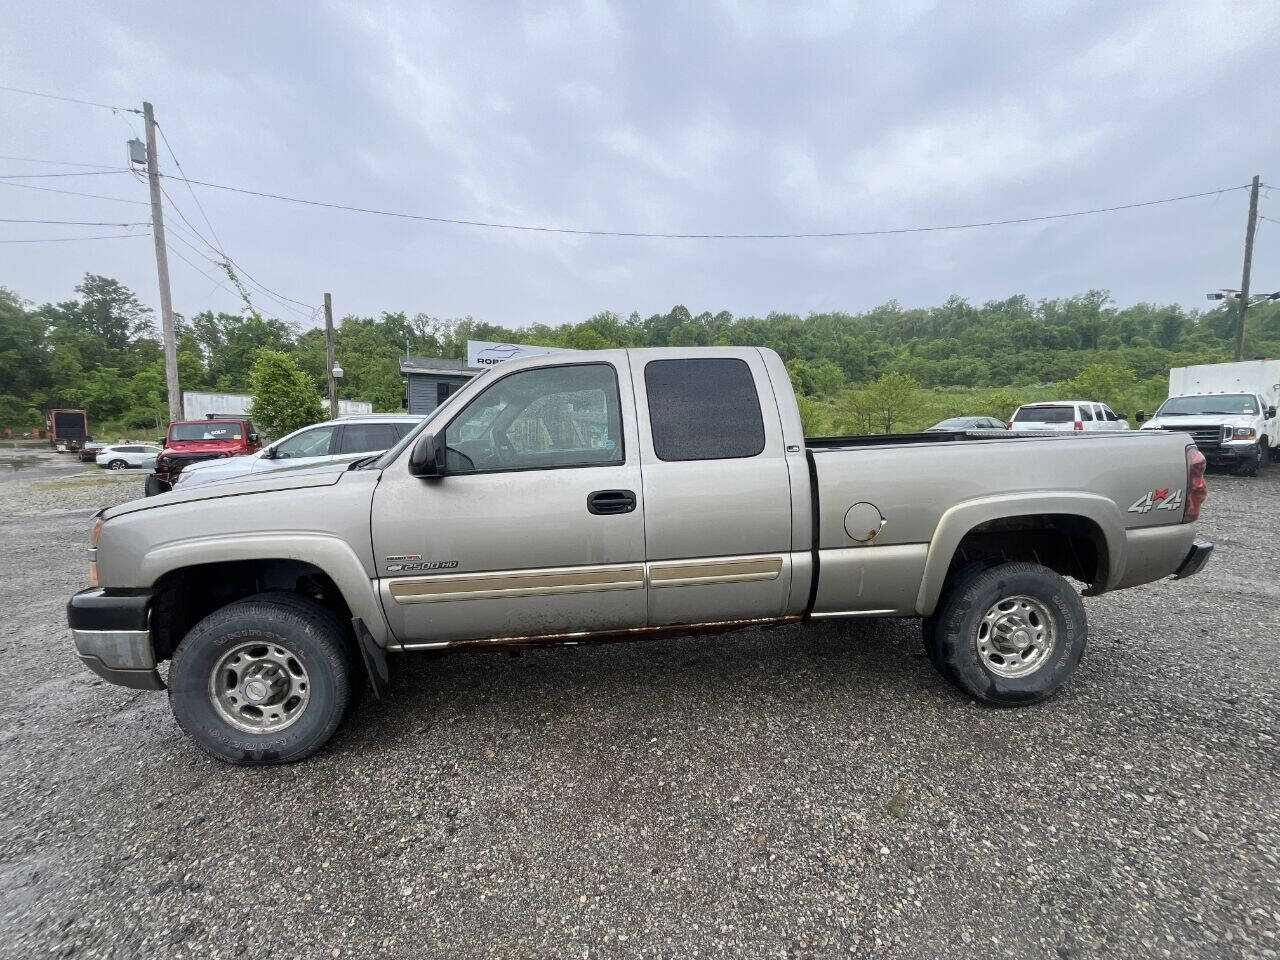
column 375, row 658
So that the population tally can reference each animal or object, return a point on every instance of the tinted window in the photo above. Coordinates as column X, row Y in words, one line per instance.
column 1044, row 415
column 548, row 417
column 703, row 409
column 308, row 443
column 207, row 430
column 1085, row 413
column 366, row 437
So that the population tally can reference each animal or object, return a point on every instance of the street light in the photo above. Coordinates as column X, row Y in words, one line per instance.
column 337, row 372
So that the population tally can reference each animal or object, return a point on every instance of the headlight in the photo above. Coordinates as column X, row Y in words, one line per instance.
column 1245, row 433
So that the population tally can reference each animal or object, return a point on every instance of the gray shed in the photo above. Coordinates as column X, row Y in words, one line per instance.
column 430, row 379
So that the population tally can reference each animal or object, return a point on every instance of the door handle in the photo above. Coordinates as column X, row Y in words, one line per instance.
column 608, row 502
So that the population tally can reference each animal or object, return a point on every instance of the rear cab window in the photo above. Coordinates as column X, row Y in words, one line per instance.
column 1058, row 413
column 703, row 409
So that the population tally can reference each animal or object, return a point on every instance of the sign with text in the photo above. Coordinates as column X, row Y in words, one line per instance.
column 482, row 353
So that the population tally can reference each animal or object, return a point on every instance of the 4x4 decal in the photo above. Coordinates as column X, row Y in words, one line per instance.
column 1160, row 499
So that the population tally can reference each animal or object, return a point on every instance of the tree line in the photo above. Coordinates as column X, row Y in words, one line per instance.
column 886, row 369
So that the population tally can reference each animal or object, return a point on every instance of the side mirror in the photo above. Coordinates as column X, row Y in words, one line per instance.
column 427, row 458
column 1271, row 413
column 1119, row 416
column 1140, row 416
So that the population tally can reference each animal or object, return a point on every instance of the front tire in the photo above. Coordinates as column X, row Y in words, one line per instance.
column 262, row 681
column 153, row 485
column 1252, row 466
column 1010, row 635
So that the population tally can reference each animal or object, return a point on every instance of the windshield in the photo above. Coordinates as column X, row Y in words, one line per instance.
column 206, row 430
column 1064, row 414
column 389, row 457
column 1228, row 404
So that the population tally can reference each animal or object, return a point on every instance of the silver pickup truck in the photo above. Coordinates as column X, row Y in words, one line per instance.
column 621, row 494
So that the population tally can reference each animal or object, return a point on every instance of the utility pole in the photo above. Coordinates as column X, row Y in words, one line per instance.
column 1249, row 230
column 328, row 357
column 162, row 269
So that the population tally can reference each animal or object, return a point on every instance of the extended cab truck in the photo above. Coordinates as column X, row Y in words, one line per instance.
column 621, row 493
column 195, row 441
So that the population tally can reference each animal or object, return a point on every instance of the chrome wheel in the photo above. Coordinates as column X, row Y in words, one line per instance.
column 259, row 688
column 1016, row 637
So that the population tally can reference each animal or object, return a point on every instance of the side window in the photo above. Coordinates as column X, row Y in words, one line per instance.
column 703, row 409
column 366, row 437
column 309, row 443
column 1085, row 412
column 568, row 416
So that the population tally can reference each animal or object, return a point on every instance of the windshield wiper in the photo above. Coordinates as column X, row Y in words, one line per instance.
column 363, row 461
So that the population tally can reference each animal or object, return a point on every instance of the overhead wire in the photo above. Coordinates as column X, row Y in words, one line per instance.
column 62, row 163
column 86, row 173
column 72, row 193
column 832, row 234
column 79, row 223
column 109, row 236
column 54, row 96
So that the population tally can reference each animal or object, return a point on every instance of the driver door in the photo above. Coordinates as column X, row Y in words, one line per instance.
column 537, row 528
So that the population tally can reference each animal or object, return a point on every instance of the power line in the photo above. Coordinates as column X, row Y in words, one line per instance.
column 80, row 223
column 1268, row 219
column 109, row 236
column 177, row 163
column 63, row 163
column 54, row 96
column 828, row 235
column 287, row 303
column 71, row 193
column 87, row 173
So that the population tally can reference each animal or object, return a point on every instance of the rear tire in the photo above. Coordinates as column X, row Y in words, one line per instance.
column 1010, row 635
column 262, row 681
column 117, row 465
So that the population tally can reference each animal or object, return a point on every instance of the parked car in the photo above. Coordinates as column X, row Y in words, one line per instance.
column 1067, row 416
column 193, row 441
column 89, row 451
column 1229, row 409
column 332, row 440
column 621, row 494
column 124, row 456
column 966, row 423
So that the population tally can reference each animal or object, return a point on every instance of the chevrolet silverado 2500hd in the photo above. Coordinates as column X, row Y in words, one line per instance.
column 621, row 494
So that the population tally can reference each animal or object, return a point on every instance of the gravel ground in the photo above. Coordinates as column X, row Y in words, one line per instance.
column 806, row 791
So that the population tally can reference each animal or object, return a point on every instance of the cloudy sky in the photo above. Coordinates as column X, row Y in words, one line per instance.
column 653, row 117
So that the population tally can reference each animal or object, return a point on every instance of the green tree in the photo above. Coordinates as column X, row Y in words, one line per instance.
column 284, row 397
column 1104, row 382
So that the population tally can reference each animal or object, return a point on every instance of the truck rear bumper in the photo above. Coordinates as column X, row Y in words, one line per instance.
column 112, row 635
column 1197, row 556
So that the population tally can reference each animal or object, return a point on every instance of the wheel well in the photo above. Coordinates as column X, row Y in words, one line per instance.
column 186, row 596
column 1070, row 545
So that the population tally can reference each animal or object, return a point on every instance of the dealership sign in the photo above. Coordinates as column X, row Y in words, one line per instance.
column 482, row 353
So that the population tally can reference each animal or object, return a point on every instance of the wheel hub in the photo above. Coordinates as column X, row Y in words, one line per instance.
column 1016, row 637
column 259, row 688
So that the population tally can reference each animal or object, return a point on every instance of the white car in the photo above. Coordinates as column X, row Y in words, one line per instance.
column 1066, row 416
column 319, row 443
column 125, row 455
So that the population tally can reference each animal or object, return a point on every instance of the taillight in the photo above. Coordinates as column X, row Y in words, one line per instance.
column 1078, row 425
column 1197, row 489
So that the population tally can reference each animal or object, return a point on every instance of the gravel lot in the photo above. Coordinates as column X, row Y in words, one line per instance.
column 806, row 791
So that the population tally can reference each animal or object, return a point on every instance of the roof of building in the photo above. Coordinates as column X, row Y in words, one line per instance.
column 437, row 365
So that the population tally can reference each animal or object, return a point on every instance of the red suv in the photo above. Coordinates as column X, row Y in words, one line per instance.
column 190, row 441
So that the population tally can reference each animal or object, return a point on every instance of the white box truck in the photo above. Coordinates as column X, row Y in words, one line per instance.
column 1230, row 410
column 196, row 405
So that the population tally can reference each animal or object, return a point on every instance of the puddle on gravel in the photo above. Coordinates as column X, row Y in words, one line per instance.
column 21, row 462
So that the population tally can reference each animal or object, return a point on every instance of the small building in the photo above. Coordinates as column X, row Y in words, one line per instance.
column 429, row 380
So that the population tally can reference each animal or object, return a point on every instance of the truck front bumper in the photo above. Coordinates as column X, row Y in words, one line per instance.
column 1197, row 557
column 112, row 634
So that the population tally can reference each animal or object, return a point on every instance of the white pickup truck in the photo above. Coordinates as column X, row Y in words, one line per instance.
column 622, row 494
